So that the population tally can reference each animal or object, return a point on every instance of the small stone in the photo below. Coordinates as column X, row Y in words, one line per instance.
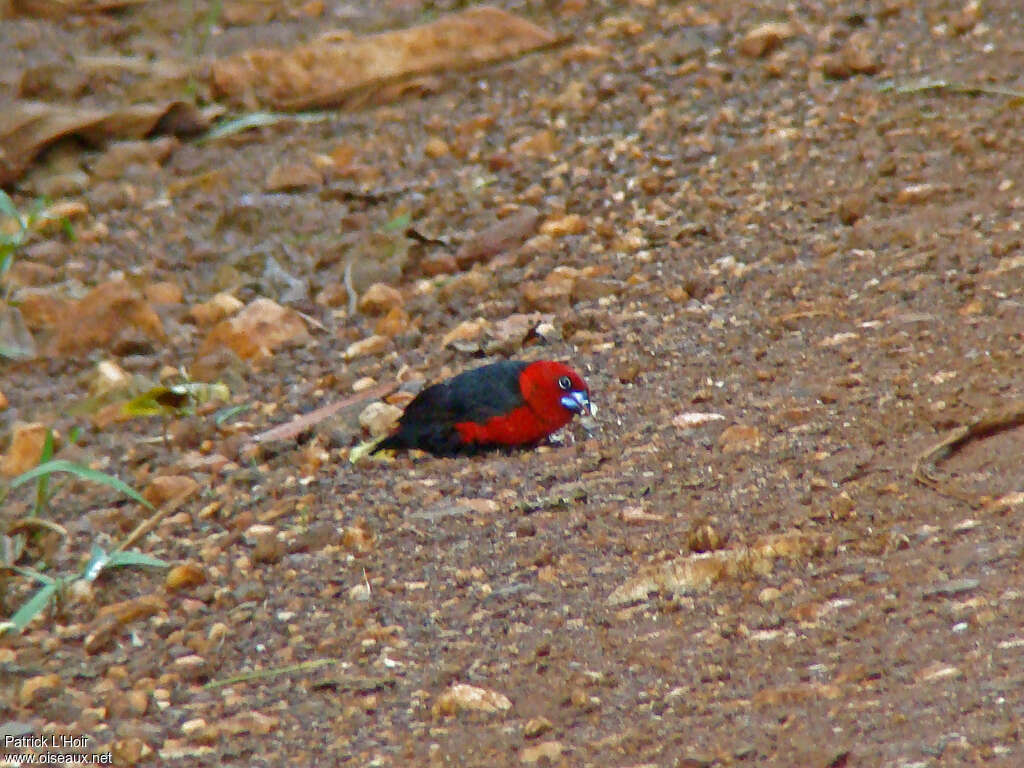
column 915, row 194
column 40, row 308
column 379, row 418
column 263, row 326
column 739, row 438
column 966, row 19
column 438, row 262
column 543, row 143
column 23, row 274
column 39, row 688
column 372, row 345
column 164, row 292
column 436, row 147
column 357, row 538
column 26, row 448
column 765, row 38
column 167, row 487
column 548, row 750
column 58, row 185
column 835, row 67
column 106, row 315
column 130, row 751
column 184, row 576
column 703, row 537
column 379, row 299
column 109, row 377
column 192, row 668
column 592, row 288
column 394, row 323
column 252, row 722
column 562, row 226
column 60, row 212
column 123, row 154
column 639, row 516
column 466, row 336
column 196, row 730
column 508, row 336
column 852, row 207
column 466, row 288
column 290, row 177
column 269, row 549
column 769, row 595
column 220, row 307
column 333, row 295
column 81, row 592
column 363, row 384
column 136, row 702
column 536, row 726
column 127, row 611
column 858, row 55
column 461, row 697
column 546, row 296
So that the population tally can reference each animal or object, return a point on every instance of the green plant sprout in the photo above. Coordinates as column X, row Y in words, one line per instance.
column 53, row 587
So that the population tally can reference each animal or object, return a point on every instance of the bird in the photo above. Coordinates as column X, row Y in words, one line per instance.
column 504, row 405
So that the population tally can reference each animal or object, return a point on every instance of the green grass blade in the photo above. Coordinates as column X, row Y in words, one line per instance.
column 85, row 473
column 97, row 562
column 29, row 573
column 7, row 207
column 398, row 224
column 252, row 120
column 33, row 606
column 43, row 484
column 226, row 414
column 122, row 558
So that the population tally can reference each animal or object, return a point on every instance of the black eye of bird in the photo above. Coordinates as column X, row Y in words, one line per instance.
column 565, row 383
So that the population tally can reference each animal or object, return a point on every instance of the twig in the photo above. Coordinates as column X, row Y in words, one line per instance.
column 353, row 297
column 36, row 522
column 965, row 89
column 300, row 424
column 986, row 425
column 150, row 523
column 266, row 674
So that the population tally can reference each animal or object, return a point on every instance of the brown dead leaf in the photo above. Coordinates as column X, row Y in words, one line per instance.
column 58, row 9
column 330, row 71
column 699, row 572
column 27, row 441
column 505, row 235
column 28, row 127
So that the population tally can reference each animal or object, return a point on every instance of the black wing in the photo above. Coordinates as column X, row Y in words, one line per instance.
column 478, row 395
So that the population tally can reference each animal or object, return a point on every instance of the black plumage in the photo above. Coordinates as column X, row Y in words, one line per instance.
column 477, row 396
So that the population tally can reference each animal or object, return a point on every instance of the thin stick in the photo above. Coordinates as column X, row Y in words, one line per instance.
column 266, row 674
column 289, row 430
column 986, row 425
column 964, row 89
column 150, row 523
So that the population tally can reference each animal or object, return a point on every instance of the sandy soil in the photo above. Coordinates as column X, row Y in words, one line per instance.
column 808, row 234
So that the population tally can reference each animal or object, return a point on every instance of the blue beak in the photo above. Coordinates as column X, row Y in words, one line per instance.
column 578, row 401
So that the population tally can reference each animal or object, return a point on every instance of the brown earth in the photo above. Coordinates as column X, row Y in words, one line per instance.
column 811, row 230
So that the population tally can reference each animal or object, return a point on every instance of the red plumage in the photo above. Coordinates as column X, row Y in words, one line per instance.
column 509, row 404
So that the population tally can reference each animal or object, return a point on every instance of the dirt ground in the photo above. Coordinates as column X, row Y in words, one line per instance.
column 788, row 260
